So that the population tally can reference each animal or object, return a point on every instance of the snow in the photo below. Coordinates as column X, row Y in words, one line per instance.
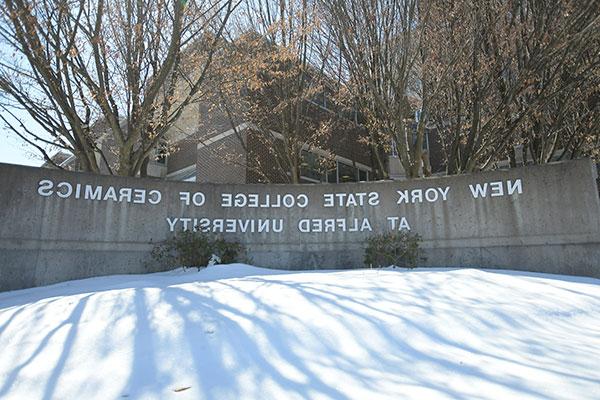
column 241, row 332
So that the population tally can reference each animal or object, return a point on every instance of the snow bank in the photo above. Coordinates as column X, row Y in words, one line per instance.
column 237, row 331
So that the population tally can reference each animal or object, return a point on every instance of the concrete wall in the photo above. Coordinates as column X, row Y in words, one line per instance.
column 541, row 218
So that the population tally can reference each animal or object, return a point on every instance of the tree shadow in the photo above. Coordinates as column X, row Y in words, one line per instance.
column 72, row 321
column 312, row 334
column 128, row 281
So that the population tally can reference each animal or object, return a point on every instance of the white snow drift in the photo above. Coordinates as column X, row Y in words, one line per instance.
column 239, row 332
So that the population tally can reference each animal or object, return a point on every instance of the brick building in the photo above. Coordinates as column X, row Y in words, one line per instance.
column 208, row 146
column 211, row 148
column 216, row 150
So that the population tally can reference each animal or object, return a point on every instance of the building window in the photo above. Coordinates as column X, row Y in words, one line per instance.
column 332, row 174
column 363, row 176
column 316, row 169
column 347, row 173
column 160, row 152
column 310, row 167
column 393, row 149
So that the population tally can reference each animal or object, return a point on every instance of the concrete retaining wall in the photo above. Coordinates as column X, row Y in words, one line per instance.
column 56, row 225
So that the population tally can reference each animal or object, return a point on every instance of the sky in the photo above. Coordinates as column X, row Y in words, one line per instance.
column 14, row 150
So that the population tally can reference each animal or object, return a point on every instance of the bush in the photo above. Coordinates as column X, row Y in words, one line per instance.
column 393, row 248
column 197, row 249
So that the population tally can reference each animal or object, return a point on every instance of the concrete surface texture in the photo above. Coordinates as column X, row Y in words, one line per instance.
column 57, row 225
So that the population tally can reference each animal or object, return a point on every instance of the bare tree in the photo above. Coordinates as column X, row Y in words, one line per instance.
column 75, row 65
column 271, row 77
column 381, row 46
column 566, row 123
column 511, row 62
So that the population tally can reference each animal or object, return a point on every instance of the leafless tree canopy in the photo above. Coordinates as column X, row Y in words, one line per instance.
column 271, row 76
column 484, row 76
column 380, row 46
column 521, row 72
column 104, row 75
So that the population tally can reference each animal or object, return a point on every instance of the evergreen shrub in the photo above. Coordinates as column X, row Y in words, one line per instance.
column 401, row 249
column 197, row 249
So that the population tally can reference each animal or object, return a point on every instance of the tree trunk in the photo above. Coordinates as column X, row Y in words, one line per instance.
column 426, row 163
column 379, row 162
column 144, row 167
column 295, row 174
column 125, row 161
column 512, row 157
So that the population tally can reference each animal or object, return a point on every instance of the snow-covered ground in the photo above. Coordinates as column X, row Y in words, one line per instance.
column 240, row 332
